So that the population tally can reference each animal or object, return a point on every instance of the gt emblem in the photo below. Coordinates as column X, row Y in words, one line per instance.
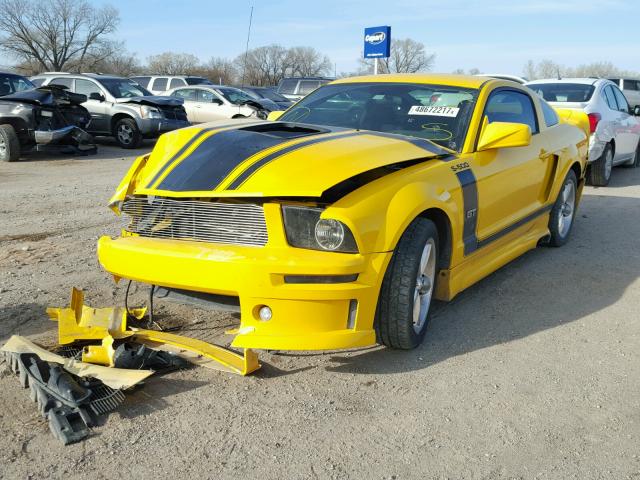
column 471, row 213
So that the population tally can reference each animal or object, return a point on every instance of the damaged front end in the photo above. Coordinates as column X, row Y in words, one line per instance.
column 49, row 119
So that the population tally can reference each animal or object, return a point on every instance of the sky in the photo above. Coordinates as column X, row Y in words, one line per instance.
column 495, row 36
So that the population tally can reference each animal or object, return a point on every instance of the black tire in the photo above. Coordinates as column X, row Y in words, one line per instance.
column 394, row 316
column 559, row 233
column 635, row 161
column 127, row 134
column 9, row 144
column 600, row 170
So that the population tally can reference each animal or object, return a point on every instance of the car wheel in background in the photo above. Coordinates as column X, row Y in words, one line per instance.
column 238, row 116
column 600, row 170
column 9, row 144
column 635, row 161
column 407, row 289
column 127, row 134
column 563, row 212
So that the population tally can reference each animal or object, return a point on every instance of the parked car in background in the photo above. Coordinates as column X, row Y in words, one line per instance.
column 267, row 93
column 120, row 107
column 631, row 89
column 615, row 127
column 503, row 76
column 158, row 84
column 295, row 88
column 208, row 103
column 46, row 118
column 12, row 83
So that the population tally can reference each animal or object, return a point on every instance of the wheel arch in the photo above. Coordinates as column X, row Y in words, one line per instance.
column 117, row 117
column 443, row 226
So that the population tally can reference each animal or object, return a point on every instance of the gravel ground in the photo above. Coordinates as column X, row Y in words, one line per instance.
column 532, row 373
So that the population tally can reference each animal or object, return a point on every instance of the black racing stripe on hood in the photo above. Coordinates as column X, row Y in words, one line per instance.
column 418, row 142
column 184, row 148
column 215, row 158
column 263, row 161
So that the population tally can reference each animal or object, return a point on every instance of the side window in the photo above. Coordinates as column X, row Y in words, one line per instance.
column 206, row 96
column 160, row 84
column 86, row 87
column 65, row 82
column 623, row 106
column 610, row 98
column 142, row 81
column 188, row 94
column 511, row 106
column 550, row 115
column 630, row 85
column 177, row 82
column 37, row 81
column 307, row 86
column 288, row 86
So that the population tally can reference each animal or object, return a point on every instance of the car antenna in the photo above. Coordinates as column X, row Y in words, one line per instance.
column 246, row 50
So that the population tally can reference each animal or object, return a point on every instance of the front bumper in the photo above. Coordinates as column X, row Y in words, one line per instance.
column 63, row 139
column 311, row 316
column 152, row 127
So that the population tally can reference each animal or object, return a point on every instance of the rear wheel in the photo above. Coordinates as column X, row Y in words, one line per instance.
column 564, row 211
column 127, row 133
column 600, row 170
column 9, row 144
column 407, row 289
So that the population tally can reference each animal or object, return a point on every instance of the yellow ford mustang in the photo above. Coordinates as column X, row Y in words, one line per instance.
column 335, row 226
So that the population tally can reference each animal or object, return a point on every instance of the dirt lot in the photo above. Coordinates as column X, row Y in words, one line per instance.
column 533, row 373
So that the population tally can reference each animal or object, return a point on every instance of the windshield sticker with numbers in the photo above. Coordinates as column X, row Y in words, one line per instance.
column 434, row 111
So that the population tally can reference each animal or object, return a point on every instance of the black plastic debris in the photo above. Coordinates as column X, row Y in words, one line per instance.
column 71, row 404
column 134, row 355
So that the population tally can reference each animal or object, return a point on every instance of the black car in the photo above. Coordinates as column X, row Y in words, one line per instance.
column 47, row 118
column 266, row 93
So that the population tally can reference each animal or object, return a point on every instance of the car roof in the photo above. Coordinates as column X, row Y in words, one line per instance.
column 97, row 76
column 583, row 81
column 463, row 81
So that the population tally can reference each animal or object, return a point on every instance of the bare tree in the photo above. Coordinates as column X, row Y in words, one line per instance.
column 407, row 56
column 124, row 64
column 58, row 35
column 263, row 65
column 218, row 70
column 170, row 63
column 307, row 62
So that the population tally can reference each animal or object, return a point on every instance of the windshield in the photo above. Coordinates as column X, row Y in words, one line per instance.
column 273, row 96
column 13, row 83
column 235, row 95
column 563, row 92
column 434, row 112
column 197, row 81
column 123, row 88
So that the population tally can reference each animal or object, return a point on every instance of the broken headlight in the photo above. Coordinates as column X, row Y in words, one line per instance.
column 305, row 229
column 150, row 112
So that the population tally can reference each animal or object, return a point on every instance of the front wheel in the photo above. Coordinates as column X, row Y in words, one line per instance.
column 564, row 211
column 127, row 133
column 9, row 144
column 408, row 286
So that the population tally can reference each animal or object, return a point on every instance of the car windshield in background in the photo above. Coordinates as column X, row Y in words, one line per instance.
column 197, row 81
column 235, row 95
column 124, row 88
column 563, row 92
column 11, row 84
column 271, row 95
column 433, row 112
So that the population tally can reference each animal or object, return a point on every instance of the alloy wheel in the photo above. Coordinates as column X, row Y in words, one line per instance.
column 425, row 282
column 125, row 134
column 565, row 216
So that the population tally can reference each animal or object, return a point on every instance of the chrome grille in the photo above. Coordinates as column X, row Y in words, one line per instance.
column 197, row 220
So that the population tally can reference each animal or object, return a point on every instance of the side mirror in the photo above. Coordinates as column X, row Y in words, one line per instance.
column 504, row 135
column 275, row 115
column 636, row 111
column 216, row 101
column 96, row 96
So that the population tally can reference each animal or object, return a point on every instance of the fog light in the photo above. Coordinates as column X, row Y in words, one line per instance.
column 353, row 310
column 265, row 313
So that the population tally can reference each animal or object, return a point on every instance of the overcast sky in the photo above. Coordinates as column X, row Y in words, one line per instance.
column 492, row 35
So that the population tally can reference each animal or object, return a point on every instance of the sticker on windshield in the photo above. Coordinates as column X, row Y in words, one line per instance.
column 434, row 111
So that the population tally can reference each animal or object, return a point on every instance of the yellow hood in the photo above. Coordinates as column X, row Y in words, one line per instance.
column 266, row 160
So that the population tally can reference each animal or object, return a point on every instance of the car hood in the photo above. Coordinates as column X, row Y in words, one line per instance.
column 152, row 100
column 256, row 160
column 51, row 95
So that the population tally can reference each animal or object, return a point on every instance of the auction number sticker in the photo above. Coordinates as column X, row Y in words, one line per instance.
column 434, row 111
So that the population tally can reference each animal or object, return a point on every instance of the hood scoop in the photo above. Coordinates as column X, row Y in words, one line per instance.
column 285, row 130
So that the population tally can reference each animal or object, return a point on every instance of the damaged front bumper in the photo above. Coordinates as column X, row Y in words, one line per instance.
column 70, row 138
column 318, row 300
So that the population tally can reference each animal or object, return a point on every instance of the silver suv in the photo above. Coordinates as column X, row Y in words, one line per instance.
column 121, row 108
column 157, row 84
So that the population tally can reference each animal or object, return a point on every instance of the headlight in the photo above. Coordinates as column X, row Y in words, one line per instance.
column 150, row 112
column 305, row 229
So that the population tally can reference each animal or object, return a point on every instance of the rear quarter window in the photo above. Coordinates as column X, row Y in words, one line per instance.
column 143, row 81
column 160, row 84
column 550, row 115
column 288, row 86
column 177, row 82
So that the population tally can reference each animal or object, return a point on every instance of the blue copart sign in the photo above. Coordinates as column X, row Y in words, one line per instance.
column 377, row 42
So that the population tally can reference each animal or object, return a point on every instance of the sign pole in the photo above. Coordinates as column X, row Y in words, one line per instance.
column 377, row 45
column 375, row 66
